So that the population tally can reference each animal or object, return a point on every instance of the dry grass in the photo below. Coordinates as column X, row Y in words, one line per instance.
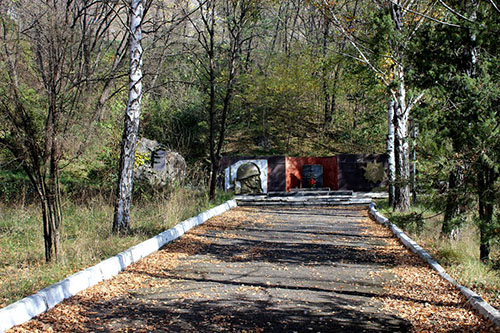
column 460, row 258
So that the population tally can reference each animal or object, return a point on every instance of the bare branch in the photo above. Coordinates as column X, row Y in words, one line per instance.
column 455, row 12
column 351, row 40
column 414, row 101
column 495, row 5
column 407, row 9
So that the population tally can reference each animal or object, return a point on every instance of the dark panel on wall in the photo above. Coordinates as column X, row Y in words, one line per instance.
column 312, row 175
column 294, row 171
column 352, row 171
column 276, row 180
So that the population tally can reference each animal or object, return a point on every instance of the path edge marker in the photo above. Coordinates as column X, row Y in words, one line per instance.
column 25, row 309
column 474, row 299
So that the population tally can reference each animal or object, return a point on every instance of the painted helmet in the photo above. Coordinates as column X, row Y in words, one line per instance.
column 247, row 170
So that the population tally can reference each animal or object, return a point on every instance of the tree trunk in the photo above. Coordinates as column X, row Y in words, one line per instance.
column 47, row 230
column 484, row 248
column 213, row 179
column 453, row 201
column 401, row 116
column 121, row 220
column 484, row 215
column 212, row 107
column 52, row 220
column 391, row 163
column 401, row 145
column 486, row 192
column 50, row 201
column 326, row 93
column 235, row 32
column 50, row 198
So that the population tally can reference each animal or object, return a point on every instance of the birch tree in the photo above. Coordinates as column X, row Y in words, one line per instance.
column 399, row 20
column 391, row 163
column 121, row 219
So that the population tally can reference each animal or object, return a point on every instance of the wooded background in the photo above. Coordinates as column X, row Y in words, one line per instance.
column 247, row 77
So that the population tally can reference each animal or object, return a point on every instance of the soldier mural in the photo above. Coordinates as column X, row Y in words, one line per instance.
column 248, row 175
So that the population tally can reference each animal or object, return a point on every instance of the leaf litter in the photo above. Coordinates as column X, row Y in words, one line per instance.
column 420, row 295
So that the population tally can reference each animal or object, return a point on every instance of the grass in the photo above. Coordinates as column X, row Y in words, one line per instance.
column 460, row 256
column 86, row 237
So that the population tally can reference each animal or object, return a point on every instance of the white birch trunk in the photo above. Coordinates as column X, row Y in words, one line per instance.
column 121, row 219
column 402, row 148
column 391, row 162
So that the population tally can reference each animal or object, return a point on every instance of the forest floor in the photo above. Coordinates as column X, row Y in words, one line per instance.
column 273, row 269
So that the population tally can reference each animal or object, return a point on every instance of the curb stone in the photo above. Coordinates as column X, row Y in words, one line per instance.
column 44, row 300
column 474, row 299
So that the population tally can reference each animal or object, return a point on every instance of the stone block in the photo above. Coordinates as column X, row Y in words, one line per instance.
column 205, row 216
column 126, row 258
column 171, row 234
column 197, row 220
column 55, row 294
column 179, row 231
column 218, row 210
column 78, row 282
column 166, row 237
column 157, row 165
column 188, row 224
column 95, row 275
column 21, row 311
column 110, row 267
column 144, row 249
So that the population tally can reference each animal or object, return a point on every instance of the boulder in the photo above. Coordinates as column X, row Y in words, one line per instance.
column 157, row 165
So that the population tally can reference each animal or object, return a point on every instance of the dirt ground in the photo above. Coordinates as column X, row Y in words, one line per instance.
column 328, row 269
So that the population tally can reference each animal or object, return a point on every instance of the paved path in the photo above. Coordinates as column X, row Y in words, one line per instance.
column 281, row 270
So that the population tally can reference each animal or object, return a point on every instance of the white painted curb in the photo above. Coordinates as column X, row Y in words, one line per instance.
column 31, row 306
column 474, row 299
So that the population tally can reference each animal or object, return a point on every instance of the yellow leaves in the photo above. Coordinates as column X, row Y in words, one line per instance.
column 141, row 159
column 387, row 65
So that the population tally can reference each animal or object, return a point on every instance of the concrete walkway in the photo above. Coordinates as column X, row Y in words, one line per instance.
column 282, row 270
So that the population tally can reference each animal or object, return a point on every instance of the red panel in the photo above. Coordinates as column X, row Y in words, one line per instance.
column 294, row 171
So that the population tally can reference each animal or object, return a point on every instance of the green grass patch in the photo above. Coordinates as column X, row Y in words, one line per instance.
column 86, row 237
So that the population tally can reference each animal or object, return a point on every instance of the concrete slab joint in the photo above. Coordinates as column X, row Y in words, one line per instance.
column 474, row 299
column 36, row 304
